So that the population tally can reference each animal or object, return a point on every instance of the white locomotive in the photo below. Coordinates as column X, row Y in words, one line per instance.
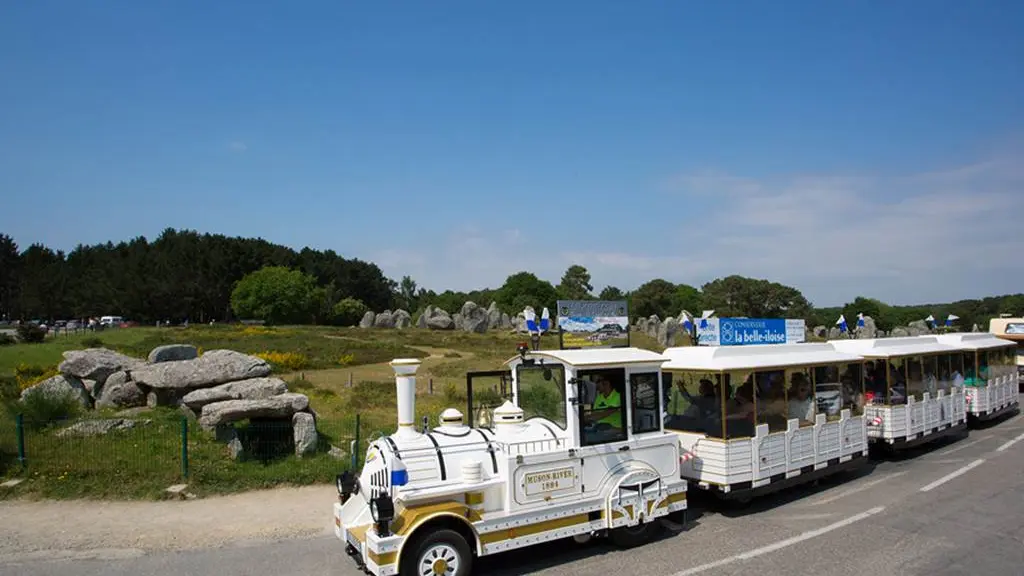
column 577, row 449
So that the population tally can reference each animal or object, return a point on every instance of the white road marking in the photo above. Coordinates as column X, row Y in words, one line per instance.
column 804, row 516
column 782, row 543
column 966, row 445
column 1010, row 443
column 952, row 475
column 855, row 490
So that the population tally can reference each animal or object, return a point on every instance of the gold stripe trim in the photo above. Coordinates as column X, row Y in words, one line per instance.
column 530, row 529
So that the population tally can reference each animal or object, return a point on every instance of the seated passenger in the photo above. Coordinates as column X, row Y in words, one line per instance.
column 739, row 410
column 801, row 402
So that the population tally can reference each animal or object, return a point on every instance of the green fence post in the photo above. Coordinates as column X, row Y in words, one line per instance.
column 355, row 446
column 184, row 447
column 19, row 429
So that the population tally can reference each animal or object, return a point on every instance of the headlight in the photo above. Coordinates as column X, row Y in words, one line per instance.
column 382, row 509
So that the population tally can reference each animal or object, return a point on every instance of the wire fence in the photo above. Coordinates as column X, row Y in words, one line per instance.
column 145, row 454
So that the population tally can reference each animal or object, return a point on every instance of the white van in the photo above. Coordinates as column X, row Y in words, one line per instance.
column 111, row 320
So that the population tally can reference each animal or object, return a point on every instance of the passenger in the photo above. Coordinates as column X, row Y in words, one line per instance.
column 740, row 414
column 678, row 403
column 706, row 409
column 853, row 397
column 801, row 401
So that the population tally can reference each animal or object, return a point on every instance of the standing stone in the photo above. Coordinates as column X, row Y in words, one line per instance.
column 368, row 319
column 474, row 318
column 384, row 320
column 304, row 432
column 667, row 331
column 402, row 319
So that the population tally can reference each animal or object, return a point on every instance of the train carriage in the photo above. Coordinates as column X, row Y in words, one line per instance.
column 911, row 388
column 575, row 449
column 990, row 377
column 754, row 419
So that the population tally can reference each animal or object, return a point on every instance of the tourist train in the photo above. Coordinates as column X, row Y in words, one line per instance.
column 605, row 442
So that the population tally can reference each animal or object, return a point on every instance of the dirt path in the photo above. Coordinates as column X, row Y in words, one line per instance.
column 29, row 528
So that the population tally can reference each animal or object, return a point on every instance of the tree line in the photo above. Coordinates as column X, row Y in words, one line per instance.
column 185, row 275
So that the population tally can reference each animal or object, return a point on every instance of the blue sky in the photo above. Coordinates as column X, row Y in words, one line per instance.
column 844, row 148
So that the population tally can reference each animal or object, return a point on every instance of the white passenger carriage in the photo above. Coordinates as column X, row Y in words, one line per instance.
column 576, row 448
column 990, row 378
column 753, row 419
column 912, row 388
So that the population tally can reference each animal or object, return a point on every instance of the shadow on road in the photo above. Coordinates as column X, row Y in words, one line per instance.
column 563, row 552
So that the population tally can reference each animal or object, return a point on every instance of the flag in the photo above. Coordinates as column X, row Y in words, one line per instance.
column 686, row 321
column 950, row 318
column 545, row 320
column 841, row 323
column 531, row 320
column 860, row 320
column 930, row 320
column 704, row 318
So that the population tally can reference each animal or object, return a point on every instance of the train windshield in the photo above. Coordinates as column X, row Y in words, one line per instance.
column 541, row 390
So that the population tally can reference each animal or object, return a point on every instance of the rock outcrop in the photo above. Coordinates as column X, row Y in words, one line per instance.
column 228, row 411
column 60, row 386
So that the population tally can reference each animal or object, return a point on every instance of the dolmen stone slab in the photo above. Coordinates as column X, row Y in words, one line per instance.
column 281, row 406
column 212, row 368
column 173, row 353
column 100, row 427
column 97, row 364
column 119, row 392
column 251, row 389
column 60, row 385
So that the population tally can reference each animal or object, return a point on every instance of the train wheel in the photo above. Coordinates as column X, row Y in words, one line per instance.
column 632, row 536
column 441, row 553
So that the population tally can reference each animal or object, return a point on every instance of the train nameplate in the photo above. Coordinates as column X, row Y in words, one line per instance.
column 549, row 480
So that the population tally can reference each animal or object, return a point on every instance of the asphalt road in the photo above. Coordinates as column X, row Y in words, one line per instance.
column 953, row 508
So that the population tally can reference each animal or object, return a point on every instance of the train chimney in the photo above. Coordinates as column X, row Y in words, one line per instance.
column 405, row 381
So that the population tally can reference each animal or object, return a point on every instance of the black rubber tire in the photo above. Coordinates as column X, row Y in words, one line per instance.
column 631, row 537
column 412, row 551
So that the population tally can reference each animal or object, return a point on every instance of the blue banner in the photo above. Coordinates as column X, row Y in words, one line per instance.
column 747, row 331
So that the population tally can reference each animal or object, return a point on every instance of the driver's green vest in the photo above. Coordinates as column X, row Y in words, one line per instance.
column 612, row 400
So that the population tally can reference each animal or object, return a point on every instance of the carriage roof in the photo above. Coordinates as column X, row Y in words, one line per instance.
column 975, row 340
column 592, row 357
column 894, row 346
column 756, row 356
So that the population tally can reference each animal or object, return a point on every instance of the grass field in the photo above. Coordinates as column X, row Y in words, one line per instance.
column 343, row 371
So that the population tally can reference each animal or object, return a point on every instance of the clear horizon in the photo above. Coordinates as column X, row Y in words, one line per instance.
column 867, row 150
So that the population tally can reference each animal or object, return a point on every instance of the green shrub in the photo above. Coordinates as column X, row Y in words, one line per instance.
column 31, row 333
column 453, row 395
column 9, row 389
column 7, row 340
column 349, row 311
column 41, row 410
column 93, row 342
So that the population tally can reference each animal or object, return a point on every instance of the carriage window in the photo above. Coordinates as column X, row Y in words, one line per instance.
column 983, row 367
column 915, row 378
column 646, row 410
column 897, row 374
column 771, row 399
column 943, row 372
column 929, row 367
column 970, row 368
column 738, row 388
column 956, row 370
column 832, row 385
column 876, row 382
column 541, row 390
column 800, row 396
column 604, row 419
column 851, row 380
column 693, row 403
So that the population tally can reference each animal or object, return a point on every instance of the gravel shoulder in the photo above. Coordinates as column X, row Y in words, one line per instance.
column 32, row 527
